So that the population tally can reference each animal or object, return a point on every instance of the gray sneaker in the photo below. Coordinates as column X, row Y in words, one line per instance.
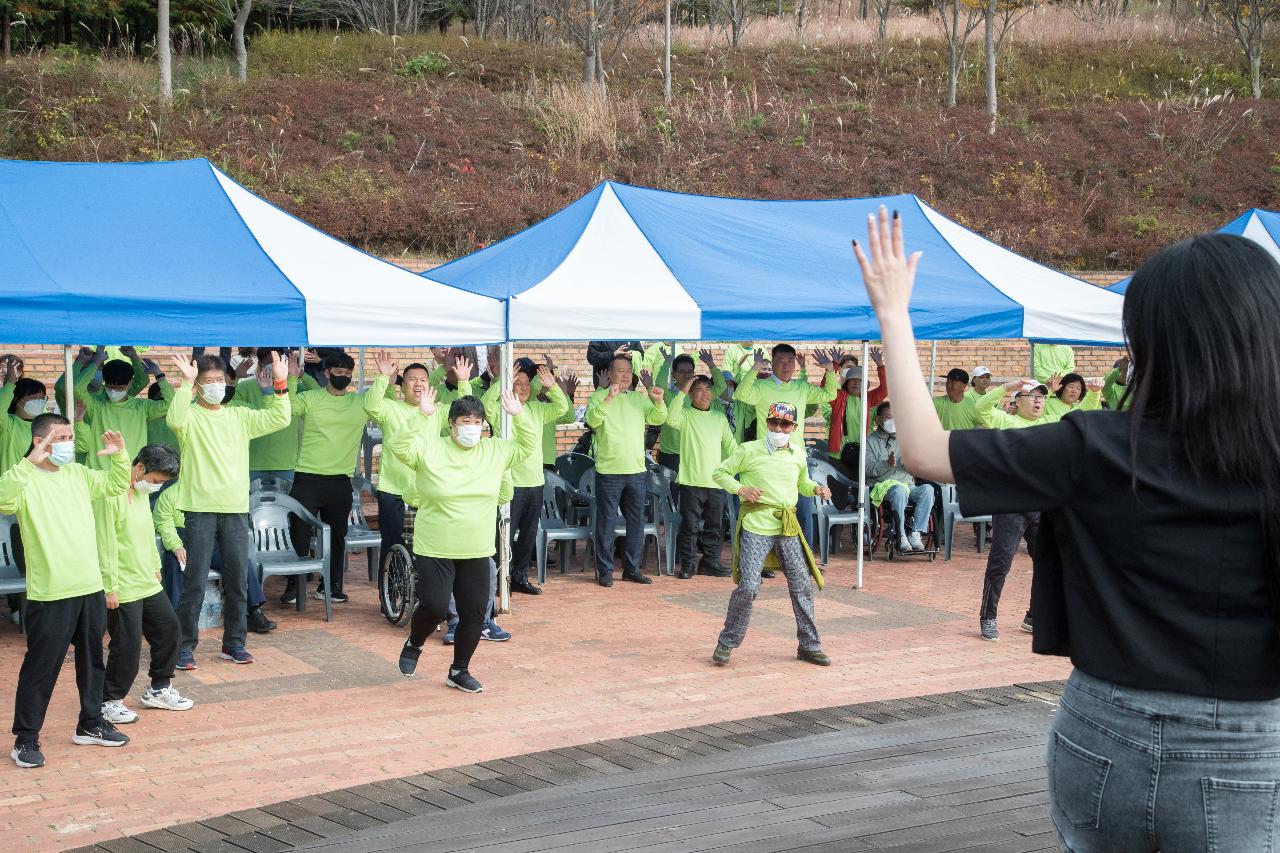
column 988, row 627
column 721, row 654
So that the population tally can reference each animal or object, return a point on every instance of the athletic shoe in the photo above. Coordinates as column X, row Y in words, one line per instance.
column 335, row 597
column 904, row 545
column 988, row 627
column 448, row 634
column 721, row 654
column 236, row 655
column 27, row 754
column 115, row 713
column 463, row 681
column 917, row 544
column 639, row 577
column 409, row 658
column 493, row 632
column 103, row 735
column 1026, row 624
column 605, row 580
column 290, row 596
column 258, row 623
column 186, row 661
column 816, row 656
column 166, row 699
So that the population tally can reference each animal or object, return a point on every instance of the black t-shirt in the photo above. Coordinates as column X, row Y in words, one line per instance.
column 1162, row 588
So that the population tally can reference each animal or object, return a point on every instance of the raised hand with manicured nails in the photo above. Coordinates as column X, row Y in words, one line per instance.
column 427, row 401
column 112, row 443
column 510, row 404
column 887, row 272
column 186, row 367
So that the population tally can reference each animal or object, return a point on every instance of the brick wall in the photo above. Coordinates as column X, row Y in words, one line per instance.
column 1006, row 359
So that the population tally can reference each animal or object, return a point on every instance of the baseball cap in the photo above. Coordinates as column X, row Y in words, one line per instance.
column 955, row 374
column 980, row 371
column 782, row 412
column 1029, row 388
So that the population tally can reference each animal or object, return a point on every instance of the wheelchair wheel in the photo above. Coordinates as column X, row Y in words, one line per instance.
column 397, row 584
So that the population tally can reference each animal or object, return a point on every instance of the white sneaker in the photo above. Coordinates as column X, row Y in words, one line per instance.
column 166, row 699
column 117, row 714
column 914, row 539
column 904, row 544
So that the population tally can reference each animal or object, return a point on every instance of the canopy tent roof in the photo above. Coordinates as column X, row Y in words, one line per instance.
column 1261, row 226
column 177, row 252
column 630, row 262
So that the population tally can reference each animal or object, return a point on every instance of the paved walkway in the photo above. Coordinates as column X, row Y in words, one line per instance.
column 324, row 709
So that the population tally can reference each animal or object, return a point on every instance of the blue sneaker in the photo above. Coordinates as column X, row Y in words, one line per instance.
column 186, row 661
column 238, row 655
column 493, row 632
column 448, row 635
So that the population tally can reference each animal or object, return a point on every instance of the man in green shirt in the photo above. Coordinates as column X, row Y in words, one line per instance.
column 116, row 408
column 674, row 374
column 52, row 496
column 705, row 440
column 1052, row 358
column 213, row 494
column 394, row 416
column 980, row 379
column 274, row 454
column 618, row 416
column 1116, row 383
column 137, row 607
column 333, row 421
column 956, row 409
column 768, row 474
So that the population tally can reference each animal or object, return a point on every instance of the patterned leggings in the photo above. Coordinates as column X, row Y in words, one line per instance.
column 752, row 550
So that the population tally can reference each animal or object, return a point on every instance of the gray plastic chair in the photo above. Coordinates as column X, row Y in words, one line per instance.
column 360, row 536
column 372, row 438
column 271, row 546
column 951, row 514
column 11, row 580
column 829, row 516
column 270, row 484
column 557, row 496
column 588, row 488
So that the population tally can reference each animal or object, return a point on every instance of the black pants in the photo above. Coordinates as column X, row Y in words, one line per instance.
column 229, row 531
column 53, row 627
column 701, row 523
column 1006, row 532
column 152, row 619
column 328, row 497
column 526, row 513
column 390, row 521
column 468, row 582
column 669, row 460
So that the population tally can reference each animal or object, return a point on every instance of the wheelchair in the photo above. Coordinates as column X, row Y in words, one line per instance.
column 886, row 530
column 397, row 579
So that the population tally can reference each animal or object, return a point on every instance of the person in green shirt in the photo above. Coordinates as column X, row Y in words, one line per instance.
column 137, row 607
column 213, row 494
column 980, row 379
column 1069, row 393
column 672, row 375
column 618, row 416
column 1052, row 358
column 274, row 454
column 158, row 431
column 52, row 495
column 705, row 440
column 116, row 408
column 956, row 408
column 768, row 474
column 333, row 421
column 394, row 416
column 22, row 399
column 528, row 477
column 890, row 481
column 1028, row 404
column 1116, row 383
column 458, row 481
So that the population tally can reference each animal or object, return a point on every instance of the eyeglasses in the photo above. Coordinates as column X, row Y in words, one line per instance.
column 1035, row 398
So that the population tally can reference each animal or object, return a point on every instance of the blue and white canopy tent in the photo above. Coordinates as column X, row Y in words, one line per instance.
column 629, row 262
column 1260, row 226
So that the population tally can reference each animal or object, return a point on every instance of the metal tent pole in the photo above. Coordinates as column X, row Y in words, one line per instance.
column 933, row 365
column 504, row 512
column 863, row 509
column 1032, row 371
column 69, row 402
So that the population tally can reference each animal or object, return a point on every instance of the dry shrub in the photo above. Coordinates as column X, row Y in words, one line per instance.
column 576, row 121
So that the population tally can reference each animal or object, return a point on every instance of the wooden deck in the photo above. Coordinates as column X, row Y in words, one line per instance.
column 971, row 781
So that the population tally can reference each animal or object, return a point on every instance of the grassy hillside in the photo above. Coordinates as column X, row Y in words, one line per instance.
column 439, row 145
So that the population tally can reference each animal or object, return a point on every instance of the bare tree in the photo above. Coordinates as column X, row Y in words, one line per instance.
column 1248, row 21
column 164, row 53
column 958, row 21
column 739, row 15
column 238, row 13
column 883, row 8
column 999, row 17
column 6, row 27
column 801, row 9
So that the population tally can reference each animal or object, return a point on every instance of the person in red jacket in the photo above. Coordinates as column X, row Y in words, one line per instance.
column 842, row 442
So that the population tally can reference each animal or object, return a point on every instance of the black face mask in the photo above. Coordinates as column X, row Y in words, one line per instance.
column 339, row 382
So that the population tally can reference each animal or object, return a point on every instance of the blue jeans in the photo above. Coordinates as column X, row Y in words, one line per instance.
column 922, row 496
column 614, row 491
column 171, row 578
column 1139, row 770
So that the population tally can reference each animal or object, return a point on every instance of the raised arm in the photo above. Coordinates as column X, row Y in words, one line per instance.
column 166, row 518
column 675, row 412
column 115, row 480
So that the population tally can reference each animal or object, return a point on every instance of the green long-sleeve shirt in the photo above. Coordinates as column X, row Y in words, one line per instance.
column 618, row 426
column 529, row 472
column 1053, row 358
column 215, row 450
column 55, row 515
column 997, row 418
column 275, row 451
column 332, row 427
column 783, row 475
column 126, row 539
column 15, row 432
column 739, row 359
column 130, row 417
column 458, row 488
column 669, row 437
column 1113, row 390
column 705, row 441
column 136, row 385
column 763, row 393
column 167, row 518
column 394, row 417
column 962, row 415
column 1055, row 409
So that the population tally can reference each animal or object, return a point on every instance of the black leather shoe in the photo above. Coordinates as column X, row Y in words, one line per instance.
column 768, row 573
column 637, row 578
column 525, row 587
column 258, row 623
column 685, row 574
column 605, row 580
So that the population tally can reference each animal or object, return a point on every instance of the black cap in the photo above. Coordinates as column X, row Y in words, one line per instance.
column 955, row 374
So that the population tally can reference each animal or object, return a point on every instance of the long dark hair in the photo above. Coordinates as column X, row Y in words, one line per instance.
column 1200, row 318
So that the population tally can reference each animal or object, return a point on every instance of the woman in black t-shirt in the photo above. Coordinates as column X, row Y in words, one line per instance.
column 1159, row 552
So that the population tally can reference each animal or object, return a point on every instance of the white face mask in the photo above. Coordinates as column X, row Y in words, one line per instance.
column 889, row 426
column 34, row 408
column 778, row 440
column 115, row 395
column 62, row 452
column 469, row 434
column 146, row 488
column 213, row 392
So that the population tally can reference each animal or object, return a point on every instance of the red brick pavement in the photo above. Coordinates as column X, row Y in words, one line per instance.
column 323, row 707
